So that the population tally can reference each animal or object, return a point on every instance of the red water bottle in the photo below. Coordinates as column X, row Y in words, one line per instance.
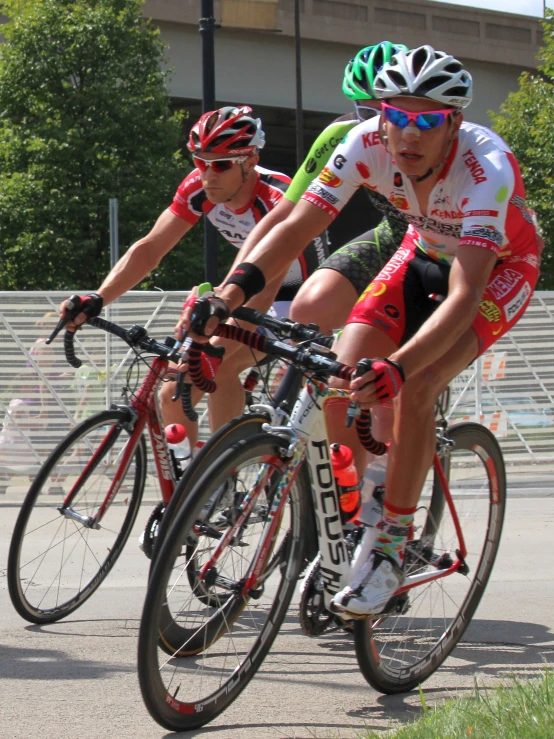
column 348, row 482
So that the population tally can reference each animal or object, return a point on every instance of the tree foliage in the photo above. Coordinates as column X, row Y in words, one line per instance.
column 526, row 122
column 84, row 117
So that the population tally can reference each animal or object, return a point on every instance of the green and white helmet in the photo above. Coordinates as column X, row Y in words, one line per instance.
column 361, row 71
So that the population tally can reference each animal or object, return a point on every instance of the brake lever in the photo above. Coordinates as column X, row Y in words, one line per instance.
column 354, row 410
column 72, row 306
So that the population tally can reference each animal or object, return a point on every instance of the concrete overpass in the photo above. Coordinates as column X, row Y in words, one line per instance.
column 258, row 68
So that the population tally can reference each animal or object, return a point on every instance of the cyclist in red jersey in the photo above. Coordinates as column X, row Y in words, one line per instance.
column 471, row 239
column 235, row 193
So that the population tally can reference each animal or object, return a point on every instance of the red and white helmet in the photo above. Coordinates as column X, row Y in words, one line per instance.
column 230, row 130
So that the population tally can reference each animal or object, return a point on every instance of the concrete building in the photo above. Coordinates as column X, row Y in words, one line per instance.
column 258, row 67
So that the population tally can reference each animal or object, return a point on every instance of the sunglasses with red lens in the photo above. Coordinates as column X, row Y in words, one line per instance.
column 218, row 165
column 425, row 120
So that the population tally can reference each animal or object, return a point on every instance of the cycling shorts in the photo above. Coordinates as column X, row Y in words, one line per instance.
column 361, row 259
column 411, row 286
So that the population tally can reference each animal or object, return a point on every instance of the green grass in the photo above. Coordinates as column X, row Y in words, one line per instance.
column 518, row 710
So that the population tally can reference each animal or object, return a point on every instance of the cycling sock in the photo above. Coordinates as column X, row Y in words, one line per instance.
column 394, row 531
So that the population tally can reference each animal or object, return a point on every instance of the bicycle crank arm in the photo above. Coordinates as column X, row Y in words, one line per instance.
column 89, row 522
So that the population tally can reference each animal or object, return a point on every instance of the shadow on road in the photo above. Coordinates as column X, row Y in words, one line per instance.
column 490, row 651
column 17, row 663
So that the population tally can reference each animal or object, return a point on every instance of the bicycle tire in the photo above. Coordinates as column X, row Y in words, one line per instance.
column 242, row 634
column 247, row 425
column 398, row 651
column 39, row 593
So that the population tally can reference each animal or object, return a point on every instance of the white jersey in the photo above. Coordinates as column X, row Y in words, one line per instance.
column 478, row 200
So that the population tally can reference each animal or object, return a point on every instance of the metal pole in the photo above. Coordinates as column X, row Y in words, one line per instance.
column 299, row 112
column 114, row 258
column 207, row 29
column 114, row 232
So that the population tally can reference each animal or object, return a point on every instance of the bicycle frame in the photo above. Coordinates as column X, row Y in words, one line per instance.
column 307, row 433
column 145, row 411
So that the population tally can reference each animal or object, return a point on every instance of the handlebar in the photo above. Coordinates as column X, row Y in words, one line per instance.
column 136, row 336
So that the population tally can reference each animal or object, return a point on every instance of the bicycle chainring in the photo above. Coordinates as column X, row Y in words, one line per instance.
column 151, row 530
column 314, row 617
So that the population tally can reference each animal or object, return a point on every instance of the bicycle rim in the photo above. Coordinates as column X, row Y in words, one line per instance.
column 56, row 561
column 399, row 650
column 201, row 637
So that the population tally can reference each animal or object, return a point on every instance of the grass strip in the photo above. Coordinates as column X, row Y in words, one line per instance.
column 514, row 710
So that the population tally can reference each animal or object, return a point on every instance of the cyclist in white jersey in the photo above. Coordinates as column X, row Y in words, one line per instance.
column 471, row 239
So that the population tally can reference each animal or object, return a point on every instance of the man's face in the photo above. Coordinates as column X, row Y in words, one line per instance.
column 416, row 151
column 221, row 186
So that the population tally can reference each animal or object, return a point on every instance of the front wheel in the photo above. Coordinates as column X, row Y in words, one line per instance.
column 58, row 555
column 399, row 650
column 202, row 636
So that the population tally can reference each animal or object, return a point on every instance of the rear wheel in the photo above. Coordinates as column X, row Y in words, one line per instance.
column 59, row 555
column 196, row 610
column 399, row 650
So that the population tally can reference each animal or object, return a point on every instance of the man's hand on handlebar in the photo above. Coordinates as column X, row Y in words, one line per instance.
column 381, row 381
column 201, row 317
column 88, row 306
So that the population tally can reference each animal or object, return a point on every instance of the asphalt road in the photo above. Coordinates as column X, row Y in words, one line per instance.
column 77, row 678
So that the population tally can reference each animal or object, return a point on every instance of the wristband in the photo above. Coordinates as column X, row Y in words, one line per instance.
column 249, row 278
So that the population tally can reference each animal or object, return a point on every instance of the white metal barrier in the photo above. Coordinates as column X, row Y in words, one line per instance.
column 511, row 390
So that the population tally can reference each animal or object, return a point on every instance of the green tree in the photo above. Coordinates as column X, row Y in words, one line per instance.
column 526, row 122
column 84, row 117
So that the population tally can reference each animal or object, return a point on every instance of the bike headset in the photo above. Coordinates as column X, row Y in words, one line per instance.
column 425, row 73
column 230, row 130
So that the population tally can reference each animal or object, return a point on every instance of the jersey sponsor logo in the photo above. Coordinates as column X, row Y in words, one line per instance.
column 392, row 311
column 515, row 305
column 322, row 193
column 481, row 213
column 430, row 224
column 374, row 289
column 393, row 265
column 442, row 200
column 489, row 310
column 447, row 215
column 476, row 170
column 504, row 283
column 489, row 233
column 329, row 178
column 370, row 139
column 363, row 169
column 527, row 258
column 339, row 161
column 397, row 180
column 225, row 214
column 311, row 165
column 399, row 201
column 519, row 203
column 230, row 236
column 320, row 250
column 378, row 323
column 316, row 200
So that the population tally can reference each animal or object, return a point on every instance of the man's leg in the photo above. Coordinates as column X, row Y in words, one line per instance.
column 411, row 455
column 227, row 402
column 312, row 303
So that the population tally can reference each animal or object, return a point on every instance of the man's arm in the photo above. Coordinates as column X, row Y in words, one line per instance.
column 469, row 276
column 144, row 256
column 276, row 251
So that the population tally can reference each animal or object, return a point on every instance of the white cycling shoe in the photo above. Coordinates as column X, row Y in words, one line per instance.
column 370, row 592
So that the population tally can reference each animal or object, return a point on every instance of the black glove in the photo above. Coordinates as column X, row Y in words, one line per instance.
column 204, row 309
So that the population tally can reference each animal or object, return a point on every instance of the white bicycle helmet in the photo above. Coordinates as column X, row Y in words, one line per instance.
column 424, row 72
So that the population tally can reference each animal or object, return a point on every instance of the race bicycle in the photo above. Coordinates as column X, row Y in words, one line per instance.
column 222, row 582
column 65, row 544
